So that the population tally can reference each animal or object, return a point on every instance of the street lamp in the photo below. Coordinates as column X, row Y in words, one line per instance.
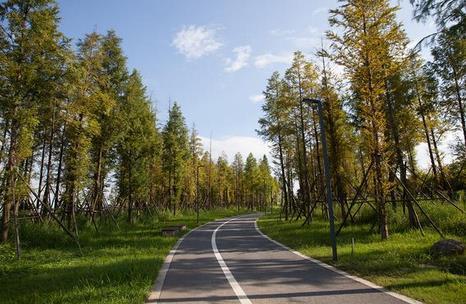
column 310, row 101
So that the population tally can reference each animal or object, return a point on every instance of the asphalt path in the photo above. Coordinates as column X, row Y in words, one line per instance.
column 231, row 261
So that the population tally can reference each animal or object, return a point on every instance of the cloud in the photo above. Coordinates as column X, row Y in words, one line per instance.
column 264, row 60
column 233, row 144
column 196, row 41
column 257, row 98
column 243, row 53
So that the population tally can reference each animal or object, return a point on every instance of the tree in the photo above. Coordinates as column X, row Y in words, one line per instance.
column 137, row 146
column 370, row 48
column 111, row 76
column 447, row 13
column 192, row 179
column 339, row 133
column 250, row 180
column 449, row 65
column 175, row 153
column 32, row 52
column 238, row 167
column 275, row 127
column 301, row 79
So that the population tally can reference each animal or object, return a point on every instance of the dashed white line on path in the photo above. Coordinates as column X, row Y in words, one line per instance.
column 243, row 298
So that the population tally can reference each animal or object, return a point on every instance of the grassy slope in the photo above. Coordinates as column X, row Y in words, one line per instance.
column 402, row 263
column 118, row 266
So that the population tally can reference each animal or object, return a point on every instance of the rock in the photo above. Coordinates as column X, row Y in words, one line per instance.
column 447, row 247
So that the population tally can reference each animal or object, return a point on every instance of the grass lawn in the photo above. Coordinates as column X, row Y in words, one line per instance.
column 402, row 263
column 117, row 266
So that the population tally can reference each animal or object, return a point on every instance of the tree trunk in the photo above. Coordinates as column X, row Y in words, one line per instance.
column 41, row 173
column 10, row 179
column 460, row 103
column 282, row 169
column 59, row 169
column 46, row 199
column 394, row 131
column 426, row 133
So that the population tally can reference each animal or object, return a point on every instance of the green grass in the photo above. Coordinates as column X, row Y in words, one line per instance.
column 117, row 266
column 402, row 263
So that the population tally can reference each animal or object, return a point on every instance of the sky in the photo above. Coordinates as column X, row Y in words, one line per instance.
column 213, row 57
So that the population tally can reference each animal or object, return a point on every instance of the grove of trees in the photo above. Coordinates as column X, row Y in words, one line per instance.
column 80, row 137
column 387, row 102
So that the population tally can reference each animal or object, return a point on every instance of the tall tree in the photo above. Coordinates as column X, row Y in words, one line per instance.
column 275, row 127
column 175, row 153
column 449, row 65
column 137, row 145
column 369, row 47
column 250, row 180
column 32, row 52
column 110, row 66
column 238, row 166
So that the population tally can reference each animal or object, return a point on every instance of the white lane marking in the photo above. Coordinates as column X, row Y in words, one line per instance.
column 154, row 295
column 341, row 272
column 242, row 297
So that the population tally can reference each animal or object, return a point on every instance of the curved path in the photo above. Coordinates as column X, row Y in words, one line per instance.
column 231, row 261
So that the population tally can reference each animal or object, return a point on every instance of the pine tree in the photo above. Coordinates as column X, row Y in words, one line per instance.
column 370, row 48
column 339, row 133
column 275, row 127
column 32, row 50
column 238, row 167
column 175, row 153
column 250, row 180
column 449, row 65
column 448, row 14
column 138, row 144
column 301, row 79
column 192, row 177
column 110, row 68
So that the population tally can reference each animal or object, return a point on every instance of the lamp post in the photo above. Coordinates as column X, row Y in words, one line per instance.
column 326, row 173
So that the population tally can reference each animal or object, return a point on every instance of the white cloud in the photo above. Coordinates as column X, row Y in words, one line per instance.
column 196, row 41
column 233, row 144
column 264, row 60
column 243, row 53
column 257, row 98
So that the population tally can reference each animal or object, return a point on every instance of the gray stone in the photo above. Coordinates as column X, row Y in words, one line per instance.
column 447, row 247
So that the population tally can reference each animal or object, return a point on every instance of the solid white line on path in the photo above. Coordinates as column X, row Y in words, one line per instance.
column 243, row 298
column 156, row 290
column 341, row 272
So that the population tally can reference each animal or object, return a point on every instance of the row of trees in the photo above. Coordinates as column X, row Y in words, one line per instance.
column 80, row 136
column 392, row 101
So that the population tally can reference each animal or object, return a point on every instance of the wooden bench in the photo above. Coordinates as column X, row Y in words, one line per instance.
column 170, row 231
column 173, row 230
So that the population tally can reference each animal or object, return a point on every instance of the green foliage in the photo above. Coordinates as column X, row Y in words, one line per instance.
column 175, row 153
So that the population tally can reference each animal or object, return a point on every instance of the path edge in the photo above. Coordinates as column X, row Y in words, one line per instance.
column 156, row 289
column 341, row 272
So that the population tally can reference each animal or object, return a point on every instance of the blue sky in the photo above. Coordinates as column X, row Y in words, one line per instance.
column 212, row 57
